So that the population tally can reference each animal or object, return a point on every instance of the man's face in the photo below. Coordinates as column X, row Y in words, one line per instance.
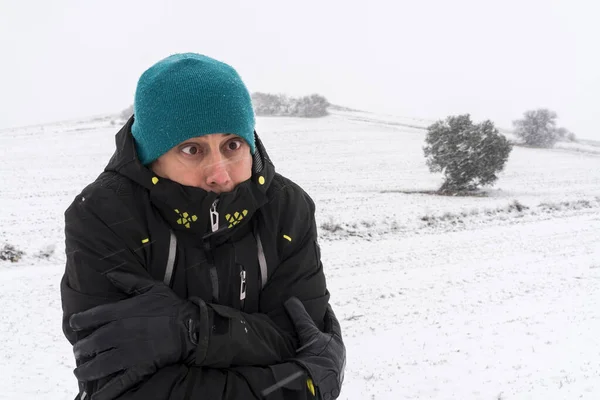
column 216, row 163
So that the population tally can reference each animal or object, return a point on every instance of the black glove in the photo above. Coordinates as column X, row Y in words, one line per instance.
column 136, row 336
column 322, row 354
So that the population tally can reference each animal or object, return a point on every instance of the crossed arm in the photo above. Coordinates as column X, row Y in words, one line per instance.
column 235, row 366
column 188, row 380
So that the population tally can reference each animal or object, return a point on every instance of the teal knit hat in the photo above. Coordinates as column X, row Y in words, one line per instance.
column 185, row 96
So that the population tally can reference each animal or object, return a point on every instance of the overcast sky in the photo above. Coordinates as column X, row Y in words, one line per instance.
column 430, row 58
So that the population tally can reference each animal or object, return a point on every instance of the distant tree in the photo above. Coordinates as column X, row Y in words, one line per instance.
column 565, row 135
column 469, row 155
column 126, row 113
column 312, row 106
column 281, row 105
column 265, row 103
column 538, row 128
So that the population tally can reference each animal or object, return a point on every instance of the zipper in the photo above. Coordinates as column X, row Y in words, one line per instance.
column 242, row 286
column 214, row 276
column 214, row 216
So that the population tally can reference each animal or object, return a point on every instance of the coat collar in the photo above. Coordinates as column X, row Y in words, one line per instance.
column 188, row 209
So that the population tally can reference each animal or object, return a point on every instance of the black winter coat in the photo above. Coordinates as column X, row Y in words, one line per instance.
column 244, row 255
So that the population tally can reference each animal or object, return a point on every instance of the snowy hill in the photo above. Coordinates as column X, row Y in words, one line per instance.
column 490, row 297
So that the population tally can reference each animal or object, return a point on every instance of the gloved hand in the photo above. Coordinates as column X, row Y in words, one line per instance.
column 321, row 354
column 136, row 336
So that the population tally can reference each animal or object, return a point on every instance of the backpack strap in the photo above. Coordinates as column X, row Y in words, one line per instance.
column 171, row 259
column 262, row 260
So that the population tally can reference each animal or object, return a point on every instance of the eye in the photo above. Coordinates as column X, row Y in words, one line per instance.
column 234, row 145
column 190, row 150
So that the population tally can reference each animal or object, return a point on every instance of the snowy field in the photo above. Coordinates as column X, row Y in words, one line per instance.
column 491, row 297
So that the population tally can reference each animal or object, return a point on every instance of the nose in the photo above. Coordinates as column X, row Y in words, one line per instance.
column 217, row 175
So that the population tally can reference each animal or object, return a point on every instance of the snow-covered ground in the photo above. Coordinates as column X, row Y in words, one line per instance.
column 492, row 297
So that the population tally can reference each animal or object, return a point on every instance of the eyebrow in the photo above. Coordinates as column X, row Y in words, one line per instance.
column 198, row 140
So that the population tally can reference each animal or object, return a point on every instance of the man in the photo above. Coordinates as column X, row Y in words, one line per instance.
column 193, row 269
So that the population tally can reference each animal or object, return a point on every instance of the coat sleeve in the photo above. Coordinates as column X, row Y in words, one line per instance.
column 95, row 245
column 298, row 271
column 179, row 382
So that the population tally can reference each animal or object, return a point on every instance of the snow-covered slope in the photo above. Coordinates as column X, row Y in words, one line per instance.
column 492, row 297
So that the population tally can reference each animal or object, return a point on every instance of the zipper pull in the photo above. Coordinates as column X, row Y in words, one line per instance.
column 242, row 284
column 214, row 216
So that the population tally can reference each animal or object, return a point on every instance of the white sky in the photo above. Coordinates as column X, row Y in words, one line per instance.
column 494, row 59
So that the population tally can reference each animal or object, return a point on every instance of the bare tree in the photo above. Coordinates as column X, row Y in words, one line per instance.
column 538, row 128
